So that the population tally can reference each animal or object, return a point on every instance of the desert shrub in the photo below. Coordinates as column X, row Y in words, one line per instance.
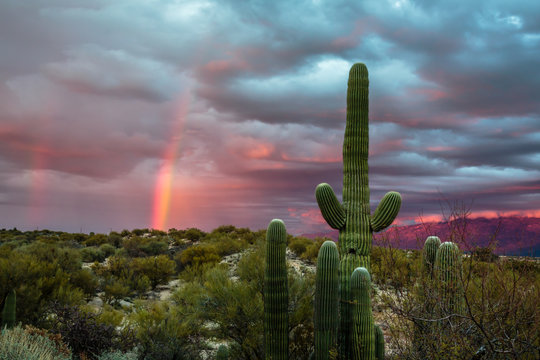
column 96, row 240
column 158, row 269
column 18, row 344
column 199, row 254
column 85, row 336
column 154, row 247
column 36, row 283
column 60, row 345
column 107, row 250
column 306, row 249
column 194, row 234
column 118, row 355
column 298, row 245
column 137, row 246
column 91, row 254
column 161, row 333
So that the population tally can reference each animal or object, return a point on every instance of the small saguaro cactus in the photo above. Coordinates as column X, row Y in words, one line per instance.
column 448, row 268
column 353, row 217
column 222, row 353
column 429, row 253
column 8, row 313
column 362, row 331
column 425, row 290
column 326, row 300
column 276, row 296
column 379, row 343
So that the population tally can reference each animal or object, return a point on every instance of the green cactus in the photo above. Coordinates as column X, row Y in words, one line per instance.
column 363, row 331
column 326, row 300
column 8, row 313
column 379, row 343
column 353, row 218
column 276, row 293
column 448, row 268
column 429, row 253
column 425, row 291
column 222, row 353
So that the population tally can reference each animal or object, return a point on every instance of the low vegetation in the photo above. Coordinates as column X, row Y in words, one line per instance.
column 98, row 296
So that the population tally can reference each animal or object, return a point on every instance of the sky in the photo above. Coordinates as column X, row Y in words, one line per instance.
column 175, row 114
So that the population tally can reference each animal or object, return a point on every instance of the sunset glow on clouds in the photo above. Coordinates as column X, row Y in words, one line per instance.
column 184, row 114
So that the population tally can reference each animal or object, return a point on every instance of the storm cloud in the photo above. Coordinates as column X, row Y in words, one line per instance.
column 233, row 111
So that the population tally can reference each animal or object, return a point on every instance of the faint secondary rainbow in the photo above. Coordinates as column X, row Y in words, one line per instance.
column 164, row 182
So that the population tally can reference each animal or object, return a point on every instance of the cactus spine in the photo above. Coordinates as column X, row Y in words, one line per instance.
column 353, row 218
column 379, row 343
column 363, row 331
column 448, row 267
column 222, row 353
column 8, row 313
column 326, row 300
column 276, row 293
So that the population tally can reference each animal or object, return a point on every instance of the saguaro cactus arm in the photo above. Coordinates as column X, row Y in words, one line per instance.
column 386, row 212
column 331, row 209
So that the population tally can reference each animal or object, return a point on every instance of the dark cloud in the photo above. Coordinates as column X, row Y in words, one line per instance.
column 244, row 101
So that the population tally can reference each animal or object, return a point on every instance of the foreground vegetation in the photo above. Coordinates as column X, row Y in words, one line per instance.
column 59, row 278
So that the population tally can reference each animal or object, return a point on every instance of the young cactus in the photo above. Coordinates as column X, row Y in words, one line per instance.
column 353, row 217
column 429, row 253
column 276, row 293
column 448, row 267
column 8, row 313
column 326, row 300
column 222, row 353
column 362, row 331
column 379, row 343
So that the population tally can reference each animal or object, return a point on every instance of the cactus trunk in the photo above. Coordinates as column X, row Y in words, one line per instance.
column 353, row 217
column 363, row 331
column 448, row 268
column 8, row 313
column 326, row 300
column 276, row 293
column 379, row 343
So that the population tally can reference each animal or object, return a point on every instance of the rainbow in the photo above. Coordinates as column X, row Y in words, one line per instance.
column 164, row 182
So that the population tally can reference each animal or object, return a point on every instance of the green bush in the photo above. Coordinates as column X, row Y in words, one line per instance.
column 158, row 269
column 92, row 254
column 107, row 250
column 198, row 255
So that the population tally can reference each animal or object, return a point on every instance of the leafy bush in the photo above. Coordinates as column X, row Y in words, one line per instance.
column 92, row 254
column 158, row 269
column 197, row 255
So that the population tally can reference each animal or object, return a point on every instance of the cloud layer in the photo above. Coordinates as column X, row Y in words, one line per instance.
column 233, row 111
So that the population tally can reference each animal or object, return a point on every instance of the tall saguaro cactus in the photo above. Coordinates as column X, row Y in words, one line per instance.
column 326, row 300
column 276, row 296
column 353, row 217
column 8, row 313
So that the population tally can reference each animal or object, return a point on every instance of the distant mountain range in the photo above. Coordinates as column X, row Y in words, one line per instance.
column 512, row 235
